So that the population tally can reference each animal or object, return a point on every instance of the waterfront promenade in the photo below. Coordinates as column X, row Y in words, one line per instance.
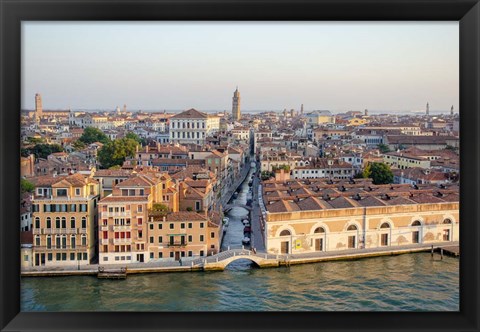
column 222, row 259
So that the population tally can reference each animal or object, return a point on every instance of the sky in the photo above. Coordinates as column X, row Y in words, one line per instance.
column 335, row 66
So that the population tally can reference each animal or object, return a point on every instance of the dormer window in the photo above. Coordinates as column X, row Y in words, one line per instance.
column 62, row 192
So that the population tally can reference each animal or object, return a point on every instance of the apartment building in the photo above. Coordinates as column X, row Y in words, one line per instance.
column 123, row 215
column 403, row 160
column 192, row 126
column 64, row 215
column 323, row 168
column 182, row 234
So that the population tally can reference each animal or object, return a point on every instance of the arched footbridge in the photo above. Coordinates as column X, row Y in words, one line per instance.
column 228, row 207
column 222, row 259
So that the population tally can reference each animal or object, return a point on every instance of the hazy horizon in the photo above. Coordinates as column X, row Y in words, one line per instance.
column 174, row 66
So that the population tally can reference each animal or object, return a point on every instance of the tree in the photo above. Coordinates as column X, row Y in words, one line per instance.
column 116, row 152
column 358, row 175
column 91, row 135
column 26, row 186
column 451, row 148
column 286, row 168
column 383, row 148
column 380, row 173
column 265, row 175
column 41, row 150
column 133, row 136
column 78, row 145
column 34, row 140
column 159, row 207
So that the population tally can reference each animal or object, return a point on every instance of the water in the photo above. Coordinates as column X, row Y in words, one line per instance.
column 234, row 234
column 411, row 282
column 399, row 283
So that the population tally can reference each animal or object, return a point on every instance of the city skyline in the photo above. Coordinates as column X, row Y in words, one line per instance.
column 352, row 66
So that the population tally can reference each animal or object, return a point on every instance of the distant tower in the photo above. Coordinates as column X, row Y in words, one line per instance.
column 117, row 110
column 236, row 105
column 124, row 108
column 38, row 107
column 292, row 113
column 301, row 110
column 366, row 112
column 451, row 110
column 427, row 112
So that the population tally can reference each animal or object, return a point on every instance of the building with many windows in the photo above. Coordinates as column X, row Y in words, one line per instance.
column 192, row 126
column 64, row 217
column 182, row 234
column 318, row 215
column 123, row 215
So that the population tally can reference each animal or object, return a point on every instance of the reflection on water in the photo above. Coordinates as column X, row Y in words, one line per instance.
column 234, row 235
column 405, row 282
column 398, row 283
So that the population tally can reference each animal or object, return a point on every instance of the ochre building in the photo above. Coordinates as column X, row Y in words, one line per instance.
column 318, row 215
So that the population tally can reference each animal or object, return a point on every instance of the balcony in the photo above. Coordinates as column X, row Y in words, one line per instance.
column 53, row 248
column 82, row 231
column 117, row 214
column 37, row 231
column 176, row 244
column 103, row 242
column 104, row 227
column 122, row 227
column 71, row 231
column 122, row 241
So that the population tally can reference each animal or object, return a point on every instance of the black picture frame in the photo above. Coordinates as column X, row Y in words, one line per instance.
column 467, row 12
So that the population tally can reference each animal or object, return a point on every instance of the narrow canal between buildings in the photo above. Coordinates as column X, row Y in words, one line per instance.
column 412, row 282
column 235, row 231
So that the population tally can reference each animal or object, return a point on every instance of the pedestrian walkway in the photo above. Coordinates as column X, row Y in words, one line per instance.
column 228, row 195
column 257, row 239
column 222, row 259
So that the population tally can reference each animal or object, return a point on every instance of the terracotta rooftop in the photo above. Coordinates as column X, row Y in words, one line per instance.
column 287, row 196
column 112, row 172
column 190, row 114
column 112, row 199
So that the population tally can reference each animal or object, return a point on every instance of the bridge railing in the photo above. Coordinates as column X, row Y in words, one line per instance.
column 234, row 253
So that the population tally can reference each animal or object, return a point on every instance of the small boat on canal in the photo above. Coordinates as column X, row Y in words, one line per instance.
column 225, row 221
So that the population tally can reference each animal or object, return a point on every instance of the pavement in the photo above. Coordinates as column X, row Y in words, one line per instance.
column 258, row 241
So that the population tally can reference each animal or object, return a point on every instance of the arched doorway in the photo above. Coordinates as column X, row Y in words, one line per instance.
column 447, row 232
column 352, row 237
column 285, row 244
column 416, row 231
column 319, row 239
column 384, row 235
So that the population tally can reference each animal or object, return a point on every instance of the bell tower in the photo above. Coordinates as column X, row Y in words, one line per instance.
column 236, row 105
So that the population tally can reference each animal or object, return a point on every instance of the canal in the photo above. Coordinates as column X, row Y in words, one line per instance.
column 234, row 233
column 412, row 282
